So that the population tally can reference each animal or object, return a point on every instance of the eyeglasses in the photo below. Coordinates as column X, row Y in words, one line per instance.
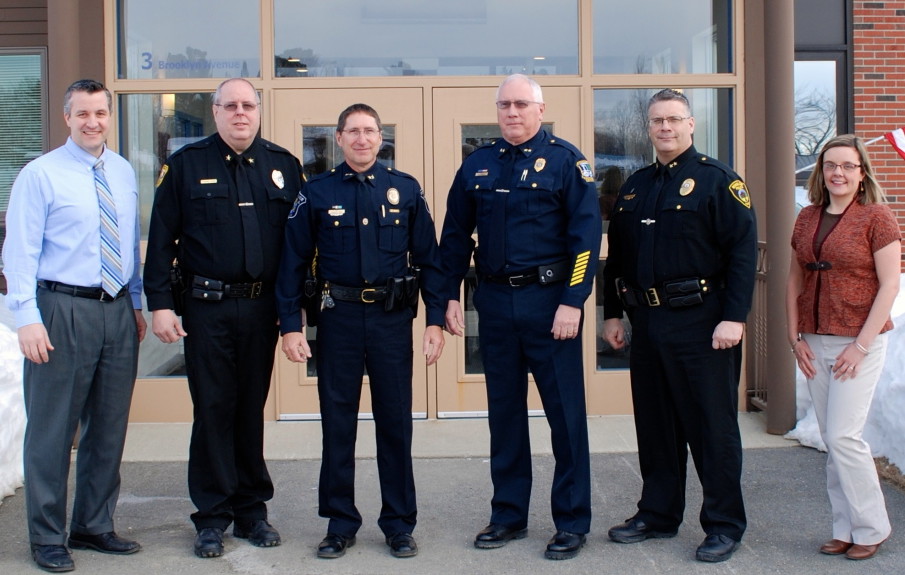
column 846, row 167
column 232, row 107
column 368, row 133
column 519, row 104
column 670, row 120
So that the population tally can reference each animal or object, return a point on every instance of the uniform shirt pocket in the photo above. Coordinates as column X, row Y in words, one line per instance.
column 337, row 231
column 210, row 203
column 536, row 193
column 680, row 217
column 392, row 234
column 279, row 202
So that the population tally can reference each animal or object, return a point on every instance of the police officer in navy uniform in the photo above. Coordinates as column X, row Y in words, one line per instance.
column 220, row 209
column 370, row 230
column 532, row 199
column 681, row 263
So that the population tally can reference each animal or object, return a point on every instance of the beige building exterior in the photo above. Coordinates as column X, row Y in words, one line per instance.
column 596, row 60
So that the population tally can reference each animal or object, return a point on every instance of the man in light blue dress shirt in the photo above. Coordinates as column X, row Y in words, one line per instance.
column 78, row 315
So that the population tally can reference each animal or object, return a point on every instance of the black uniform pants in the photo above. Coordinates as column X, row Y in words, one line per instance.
column 685, row 395
column 229, row 353
column 514, row 328
column 350, row 337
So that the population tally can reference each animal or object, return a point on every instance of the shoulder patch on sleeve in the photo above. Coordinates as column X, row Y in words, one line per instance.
column 587, row 174
column 740, row 192
column 300, row 200
column 163, row 173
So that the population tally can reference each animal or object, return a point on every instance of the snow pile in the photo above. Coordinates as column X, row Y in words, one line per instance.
column 12, row 409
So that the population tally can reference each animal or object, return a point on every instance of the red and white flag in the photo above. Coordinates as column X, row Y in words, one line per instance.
column 897, row 139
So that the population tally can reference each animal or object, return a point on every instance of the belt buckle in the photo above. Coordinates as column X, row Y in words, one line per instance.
column 512, row 280
column 104, row 295
column 367, row 290
column 256, row 288
column 653, row 300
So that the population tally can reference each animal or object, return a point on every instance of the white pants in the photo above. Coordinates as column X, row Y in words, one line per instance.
column 859, row 510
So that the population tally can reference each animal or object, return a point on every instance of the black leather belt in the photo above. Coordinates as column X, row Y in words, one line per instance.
column 85, row 292
column 515, row 280
column 364, row 295
column 546, row 274
column 675, row 294
column 215, row 290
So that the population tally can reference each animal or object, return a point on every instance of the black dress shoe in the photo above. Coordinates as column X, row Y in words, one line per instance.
column 209, row 542
column 108, row 542
column 564, row 545
column 53, row 558
column 716, row 548
column 635, row 530
column 258, row 532
column 334, row 546
column 494, row 536
column 402, row 545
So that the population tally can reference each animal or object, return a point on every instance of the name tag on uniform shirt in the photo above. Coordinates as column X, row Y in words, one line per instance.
column 208, row 181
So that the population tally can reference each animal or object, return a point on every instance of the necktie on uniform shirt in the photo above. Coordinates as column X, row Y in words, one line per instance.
column 496, row 249
column 111, row 257
column 251, row 231
column 367, row 231
column 648, row 232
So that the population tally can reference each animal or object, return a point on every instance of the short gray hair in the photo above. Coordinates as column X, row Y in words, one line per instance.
column 219, row 92
column 536, row 91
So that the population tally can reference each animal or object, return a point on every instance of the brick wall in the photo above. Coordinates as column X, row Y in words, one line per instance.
column 879, row 89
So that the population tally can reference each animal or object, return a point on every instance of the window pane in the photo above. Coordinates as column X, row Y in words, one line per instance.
column 412, row 38
column 179, row 39
column 21, row 89
column 153, row 126
column 815, row 116
column 621, row 147
column 662, row 37
column 473, row 137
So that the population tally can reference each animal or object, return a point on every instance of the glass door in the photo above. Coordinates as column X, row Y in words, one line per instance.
column 306, row 124
column 464, row 118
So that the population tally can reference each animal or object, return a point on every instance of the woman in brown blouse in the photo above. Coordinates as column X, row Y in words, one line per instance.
column 843, row 279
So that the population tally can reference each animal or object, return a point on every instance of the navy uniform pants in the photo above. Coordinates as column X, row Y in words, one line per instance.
column 229, row 353
column 351, row 337
column 89, row 379
column 685, row 396
column 514, row 327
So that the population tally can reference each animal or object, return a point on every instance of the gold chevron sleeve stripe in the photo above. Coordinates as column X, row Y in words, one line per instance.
column 581, row 267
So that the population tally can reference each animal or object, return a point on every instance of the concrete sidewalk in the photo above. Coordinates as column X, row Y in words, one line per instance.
column 784, row 487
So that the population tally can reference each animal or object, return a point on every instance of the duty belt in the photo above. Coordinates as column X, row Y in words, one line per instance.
column 365, row 295
column 216, row 290
column 680, row 293
column 546, row 274
column 85, row 292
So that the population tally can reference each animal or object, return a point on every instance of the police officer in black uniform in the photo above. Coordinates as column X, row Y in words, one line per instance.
column 681, row 263
column 374, row 242
column 220, row 209
column 532, row 198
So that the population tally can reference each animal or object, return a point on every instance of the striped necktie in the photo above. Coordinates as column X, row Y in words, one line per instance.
column 111, row 259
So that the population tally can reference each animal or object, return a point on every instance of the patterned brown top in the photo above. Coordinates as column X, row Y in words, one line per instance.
column 839, row 289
